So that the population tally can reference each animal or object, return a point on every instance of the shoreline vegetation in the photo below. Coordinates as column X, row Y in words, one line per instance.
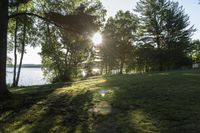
column 25, row 66
column 165, row 102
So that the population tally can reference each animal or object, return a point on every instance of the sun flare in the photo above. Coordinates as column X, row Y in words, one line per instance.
column 97, row 39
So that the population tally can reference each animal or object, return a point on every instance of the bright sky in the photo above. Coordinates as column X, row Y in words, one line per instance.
column 192, row 8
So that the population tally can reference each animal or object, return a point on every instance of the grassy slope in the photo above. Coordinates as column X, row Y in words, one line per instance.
column 148, row 103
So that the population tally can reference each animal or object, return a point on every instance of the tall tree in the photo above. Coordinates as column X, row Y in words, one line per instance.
column 165, row 26
column 63, row 52
column 4, row 5
column 15, row 49
column 3, row 45
column 120, row 32
column 24, row 34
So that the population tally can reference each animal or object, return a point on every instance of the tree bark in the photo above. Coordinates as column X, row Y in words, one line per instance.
column 3, row 46
column 121, row 66
column 22, row 54
column 15, row 54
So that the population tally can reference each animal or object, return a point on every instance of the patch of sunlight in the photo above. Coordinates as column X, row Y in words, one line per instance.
column 23, row 129
column 56, row 125
column 142, row 122
column 80, row 86
column 18, row 89
column 31, row 115
column 78, row 129
column 164, row 74
column 5, row 115
column 191, row 74
column 102, row 108
column 17, row 127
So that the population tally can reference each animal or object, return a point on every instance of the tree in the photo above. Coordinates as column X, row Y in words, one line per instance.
column 24, row 34
column 3, row 45
column 120, row 34
column 63, row 51
column 4, row 4
column 166, row 27
column 194, row 51
column 108, row 48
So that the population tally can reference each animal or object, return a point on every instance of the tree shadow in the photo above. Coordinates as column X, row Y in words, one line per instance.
column 67, row 113
column 141, row 103
column 162, row 102
column 22, row 99
column 50, row 108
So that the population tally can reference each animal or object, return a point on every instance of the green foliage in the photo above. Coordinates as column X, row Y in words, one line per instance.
column 31, row 37
column 119, row 34
column 65, row 49
column 194, row 51
column 165, row 26
column 156, row 38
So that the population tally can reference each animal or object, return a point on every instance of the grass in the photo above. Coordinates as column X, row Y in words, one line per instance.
column 166, row 102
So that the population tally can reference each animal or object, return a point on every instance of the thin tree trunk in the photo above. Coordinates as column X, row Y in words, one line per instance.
column 22, row 54
column 15, row 53
column 160, row 60
column 121, row 66
column 160, row 66
column 3, row 46
column 15, row 56
column 106, row 64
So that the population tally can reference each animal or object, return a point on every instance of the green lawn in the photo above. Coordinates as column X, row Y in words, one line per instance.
column 166, row 102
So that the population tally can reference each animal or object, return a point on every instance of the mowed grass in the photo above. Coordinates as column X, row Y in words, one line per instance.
column 167, row 102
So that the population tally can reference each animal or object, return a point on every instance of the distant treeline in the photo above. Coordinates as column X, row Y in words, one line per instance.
column 27, row 65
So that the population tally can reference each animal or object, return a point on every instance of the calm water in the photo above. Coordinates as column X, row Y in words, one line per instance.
column 28, row 76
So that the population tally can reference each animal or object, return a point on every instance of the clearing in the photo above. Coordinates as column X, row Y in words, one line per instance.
column 167, row 102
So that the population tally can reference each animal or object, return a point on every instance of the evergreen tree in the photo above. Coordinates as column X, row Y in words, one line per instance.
column 165, row 26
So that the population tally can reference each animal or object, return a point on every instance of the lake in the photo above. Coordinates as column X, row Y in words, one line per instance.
column 28, row 77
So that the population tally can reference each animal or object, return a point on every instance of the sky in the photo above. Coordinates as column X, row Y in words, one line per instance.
column 192, row 8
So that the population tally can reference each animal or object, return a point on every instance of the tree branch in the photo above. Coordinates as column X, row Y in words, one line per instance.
column 43, row 18
column 64, row 27
column 31, row 14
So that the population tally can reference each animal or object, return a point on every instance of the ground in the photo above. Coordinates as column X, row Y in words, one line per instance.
column 167, row 102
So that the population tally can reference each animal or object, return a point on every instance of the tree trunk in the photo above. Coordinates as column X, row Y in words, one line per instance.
column 160, row 55
column 15, row 54
column 121, row 66
column 22, row 54
column 106, row 64
column 3, row 46
column 160, row 66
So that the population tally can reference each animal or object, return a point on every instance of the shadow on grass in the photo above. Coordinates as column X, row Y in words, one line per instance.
column 49, row 108
column 142, row 103
column 161, row 102
column 65, row 114
column 22, row 99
